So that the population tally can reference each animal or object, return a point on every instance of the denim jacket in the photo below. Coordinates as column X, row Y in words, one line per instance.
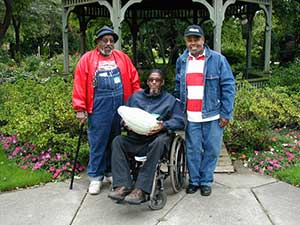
column 219, row 84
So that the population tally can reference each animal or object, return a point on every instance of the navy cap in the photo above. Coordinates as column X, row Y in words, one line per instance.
column 194, row 30
column 105, row 30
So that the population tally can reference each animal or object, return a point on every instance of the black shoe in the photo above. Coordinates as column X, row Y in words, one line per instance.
column 205, row 190
column 191, row 189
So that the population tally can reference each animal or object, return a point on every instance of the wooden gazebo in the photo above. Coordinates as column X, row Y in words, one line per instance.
column 195, row 11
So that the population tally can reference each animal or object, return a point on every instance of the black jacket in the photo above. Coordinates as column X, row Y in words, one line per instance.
column 165, row 106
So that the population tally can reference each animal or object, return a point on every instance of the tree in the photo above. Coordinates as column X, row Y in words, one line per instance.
column 7, row 18
column 286, row 34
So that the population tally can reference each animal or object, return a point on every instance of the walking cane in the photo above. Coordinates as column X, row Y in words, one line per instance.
column 76, row 155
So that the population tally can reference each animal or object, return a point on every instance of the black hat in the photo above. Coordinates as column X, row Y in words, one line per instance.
column 105, row 30
column 194, row 30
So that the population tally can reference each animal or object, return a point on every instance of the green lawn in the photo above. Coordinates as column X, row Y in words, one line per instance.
column 12, row 177
column 290, row 175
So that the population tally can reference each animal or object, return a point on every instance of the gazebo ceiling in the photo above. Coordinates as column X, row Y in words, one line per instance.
column 193, row 11
column 155, row 9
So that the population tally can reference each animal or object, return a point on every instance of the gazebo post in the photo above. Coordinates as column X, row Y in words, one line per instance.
column 65, row 35
column 268, row 12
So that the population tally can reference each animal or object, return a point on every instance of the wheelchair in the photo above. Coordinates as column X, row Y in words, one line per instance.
column 174, row 159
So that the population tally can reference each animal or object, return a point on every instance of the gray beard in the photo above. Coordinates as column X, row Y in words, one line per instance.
column 154, row 91
column 105, row 53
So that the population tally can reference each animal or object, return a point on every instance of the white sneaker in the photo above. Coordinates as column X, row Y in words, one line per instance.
column 94, row 187
column 108, row 179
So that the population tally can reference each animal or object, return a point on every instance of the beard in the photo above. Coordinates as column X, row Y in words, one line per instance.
column 106, row 52
column 154, row 91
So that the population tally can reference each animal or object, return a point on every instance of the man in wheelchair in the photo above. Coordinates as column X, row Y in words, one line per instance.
column 170, row 118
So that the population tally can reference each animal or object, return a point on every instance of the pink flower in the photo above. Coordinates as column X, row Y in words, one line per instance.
column 24, row 166
column 270, row 168
column 277, row 166
column 56, row 174
column 52, row 169
column 38, row 165
column 17, row 149
column 58, row 155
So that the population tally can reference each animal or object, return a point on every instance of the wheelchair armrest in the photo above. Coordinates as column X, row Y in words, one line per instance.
column 140, row 158
column 181, row 133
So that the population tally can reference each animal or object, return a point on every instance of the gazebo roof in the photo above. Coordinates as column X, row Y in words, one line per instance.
column 192, row 11
column 155, row 9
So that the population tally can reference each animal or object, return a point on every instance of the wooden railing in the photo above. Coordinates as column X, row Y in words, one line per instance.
column 264, row 2
column 257, row 83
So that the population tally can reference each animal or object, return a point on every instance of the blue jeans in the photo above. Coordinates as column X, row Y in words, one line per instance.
column 203, row 143
column 104, row 123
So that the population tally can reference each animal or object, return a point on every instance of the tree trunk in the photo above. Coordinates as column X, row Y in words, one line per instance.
column 17, row 23
column 7, row 18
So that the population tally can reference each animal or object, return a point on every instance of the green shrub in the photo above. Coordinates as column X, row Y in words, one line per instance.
column 256, row 112
column 37, row 68
column 39, row 112
column 288, row 77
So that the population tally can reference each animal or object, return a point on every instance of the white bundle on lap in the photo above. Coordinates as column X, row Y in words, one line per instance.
column 138, row 120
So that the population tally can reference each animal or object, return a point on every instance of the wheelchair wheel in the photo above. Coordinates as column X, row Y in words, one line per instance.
column 158, row 197
column 177, row 164
column 158, row 201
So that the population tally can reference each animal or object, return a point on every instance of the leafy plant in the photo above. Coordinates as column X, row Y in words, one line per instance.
column 288, row 77
column 259, row 110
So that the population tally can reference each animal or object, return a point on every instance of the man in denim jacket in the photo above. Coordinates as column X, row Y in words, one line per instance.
column 206, row 86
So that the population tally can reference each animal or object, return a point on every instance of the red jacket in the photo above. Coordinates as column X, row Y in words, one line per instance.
column 83, row 91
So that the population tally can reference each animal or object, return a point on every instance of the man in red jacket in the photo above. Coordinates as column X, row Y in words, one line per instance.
column 104, row 79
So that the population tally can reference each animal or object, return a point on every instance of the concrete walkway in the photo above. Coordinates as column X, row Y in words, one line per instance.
column 240, row 198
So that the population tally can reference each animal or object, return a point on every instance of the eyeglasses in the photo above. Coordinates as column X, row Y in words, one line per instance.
column 106, row 40
column 151, row 79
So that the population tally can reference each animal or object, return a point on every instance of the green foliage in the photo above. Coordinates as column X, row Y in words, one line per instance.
column 288, row 77
column 289, row 175
column 40, row 113
column 256, row 112
column 36, row 68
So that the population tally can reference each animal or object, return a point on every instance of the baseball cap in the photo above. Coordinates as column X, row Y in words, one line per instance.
column 194, row 30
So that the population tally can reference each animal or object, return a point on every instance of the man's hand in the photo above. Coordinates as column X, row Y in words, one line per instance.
column 223, row 122
column 125, row 125
column 156, row 129
column 81, row 116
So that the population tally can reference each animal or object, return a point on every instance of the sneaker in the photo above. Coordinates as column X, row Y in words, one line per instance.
column 94, row 187
column 108, row 179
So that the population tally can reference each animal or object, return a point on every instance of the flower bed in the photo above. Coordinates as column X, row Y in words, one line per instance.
column 29, row 156
column 279, row 155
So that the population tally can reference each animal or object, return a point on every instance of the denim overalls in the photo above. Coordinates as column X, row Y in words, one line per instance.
column 104, row 121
